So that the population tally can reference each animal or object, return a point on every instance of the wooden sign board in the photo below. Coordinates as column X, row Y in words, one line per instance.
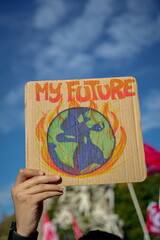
column 88, row 131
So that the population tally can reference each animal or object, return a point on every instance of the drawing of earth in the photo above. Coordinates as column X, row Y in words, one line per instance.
column 80, row 140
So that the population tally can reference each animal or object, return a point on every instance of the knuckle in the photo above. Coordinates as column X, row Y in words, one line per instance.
column 19, row 196
column 21, row 170
column 23, row 199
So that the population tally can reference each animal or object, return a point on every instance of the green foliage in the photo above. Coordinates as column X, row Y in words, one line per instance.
column 5, row 226
column 145, row 191
column 52, row 208
column 66, row 234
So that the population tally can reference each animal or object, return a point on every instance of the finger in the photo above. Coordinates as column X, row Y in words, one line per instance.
column 41, row 188
column 25, row 173
column 45, row 195
column 40, row 180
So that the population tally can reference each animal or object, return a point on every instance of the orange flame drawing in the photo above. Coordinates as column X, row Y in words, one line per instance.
column 41, row 135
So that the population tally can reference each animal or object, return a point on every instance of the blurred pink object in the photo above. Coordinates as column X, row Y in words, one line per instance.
column 48, row 229
column 152, row 157
column 153, row 218
column 77, row 231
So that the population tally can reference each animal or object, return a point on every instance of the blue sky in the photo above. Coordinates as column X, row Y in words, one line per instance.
column 58, row 39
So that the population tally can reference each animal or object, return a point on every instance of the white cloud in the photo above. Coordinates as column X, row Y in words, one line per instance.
column 11, row 108
column 70, row 42
column 152, row 102
column 150, row 121
column 14, row 96
column 49, row 13
column 86, row 28
column 128, row 34
column 99, row 29
column 151, row 113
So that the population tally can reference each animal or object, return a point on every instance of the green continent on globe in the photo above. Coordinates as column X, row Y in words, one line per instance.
column 80, row 140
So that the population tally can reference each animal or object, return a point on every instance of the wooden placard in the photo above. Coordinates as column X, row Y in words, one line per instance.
column 87, row 130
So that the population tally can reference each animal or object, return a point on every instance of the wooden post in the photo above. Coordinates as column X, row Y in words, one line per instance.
column 138, row 210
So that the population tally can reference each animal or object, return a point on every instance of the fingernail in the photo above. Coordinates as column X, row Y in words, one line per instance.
column 41, row 173
column 61, row 188
column 56, row 177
